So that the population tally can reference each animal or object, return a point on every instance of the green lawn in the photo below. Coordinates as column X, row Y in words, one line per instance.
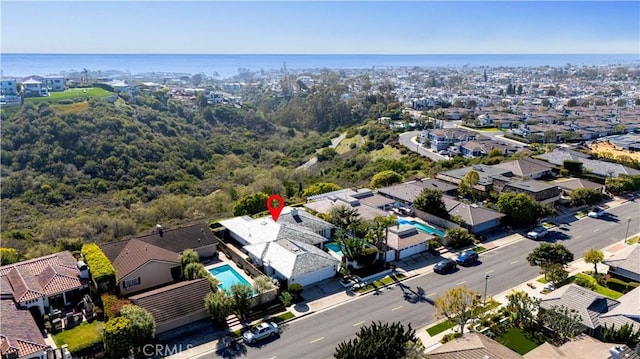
column 70, row 94
column 519, row 341
column 598, row 288
column 440, row 327
column 633, row 240
column 80, row 337
column 479, row 249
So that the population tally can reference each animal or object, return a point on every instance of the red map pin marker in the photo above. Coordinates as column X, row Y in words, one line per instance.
column 275, row 211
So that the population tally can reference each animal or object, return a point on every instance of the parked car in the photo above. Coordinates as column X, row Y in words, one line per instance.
column 537, row 233
column 596, row 212
column 550, row 287
column 444, row 266
column 467, row 257
column 263, row 330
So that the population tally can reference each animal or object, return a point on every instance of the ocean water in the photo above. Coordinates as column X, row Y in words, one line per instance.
column 225, row 66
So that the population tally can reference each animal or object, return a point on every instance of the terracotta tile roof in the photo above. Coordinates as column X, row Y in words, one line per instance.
column 135, row 253
column 174, row 301
column 43, row 276
column 24, row 339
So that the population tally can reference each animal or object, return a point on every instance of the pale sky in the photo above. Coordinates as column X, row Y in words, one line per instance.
column 321, row 27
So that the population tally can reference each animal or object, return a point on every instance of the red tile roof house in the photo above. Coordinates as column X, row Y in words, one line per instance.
column 52, row 280
column 20, row 336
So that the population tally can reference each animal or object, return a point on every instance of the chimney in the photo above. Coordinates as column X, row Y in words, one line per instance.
column 159, row 228
column 294, row 212
column 616, row 352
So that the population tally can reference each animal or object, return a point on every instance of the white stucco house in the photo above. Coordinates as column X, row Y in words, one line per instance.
column 290, row 249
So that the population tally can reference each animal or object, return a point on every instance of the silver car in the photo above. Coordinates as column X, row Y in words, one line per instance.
column 263, row 330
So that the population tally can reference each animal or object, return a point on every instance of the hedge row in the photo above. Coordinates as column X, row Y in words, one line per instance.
column 620, row 285
column 101, row 268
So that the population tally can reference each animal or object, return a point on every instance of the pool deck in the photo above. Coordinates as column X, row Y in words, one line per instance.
column 222, row 260
column 421, row 221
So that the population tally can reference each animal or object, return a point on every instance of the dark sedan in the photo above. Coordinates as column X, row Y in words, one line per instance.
column 445, row 266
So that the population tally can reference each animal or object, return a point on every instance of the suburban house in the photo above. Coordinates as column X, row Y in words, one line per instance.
column 596, row 310
column 289, row 251
column 625, row 263
column 571, row 184
column 473, row 345
column 300, row 217
column 407, row 192
column 8, row 87
column 442, row 138
column 539, row 191
column 597, row 167
column 49, row 281
column 152, row 260
column 175, row 305
column 141, row 266
column 502, row 179
column 20, row 337
column 527, row 168
column 368, row 204
column 53, row 83
column 120, row 86
column 405, row 240
column 293, row 261
column 34, row 88
column 475, row 219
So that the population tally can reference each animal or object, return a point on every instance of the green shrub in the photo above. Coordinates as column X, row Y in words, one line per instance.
column 102, row 271
column 295, row 289
column 112, row 305
column 620, row 285
column 449, row 337
column 584, row 282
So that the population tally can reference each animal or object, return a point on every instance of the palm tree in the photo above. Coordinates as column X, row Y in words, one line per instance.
column 379, row 233
column 85, row 75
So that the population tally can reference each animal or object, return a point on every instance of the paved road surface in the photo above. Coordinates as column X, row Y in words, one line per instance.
column 405, row 139
column 334, row 143
column 317, row 335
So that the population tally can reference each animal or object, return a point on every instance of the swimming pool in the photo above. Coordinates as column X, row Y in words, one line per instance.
column 335, row 248
column 423, row 227
column 227, row 276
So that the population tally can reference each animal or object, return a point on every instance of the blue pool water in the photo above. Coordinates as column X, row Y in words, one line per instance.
column 423, row 227
column 335, row 248
column 227, row 276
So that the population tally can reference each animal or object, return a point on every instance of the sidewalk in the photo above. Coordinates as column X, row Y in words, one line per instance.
column 531, row 287
column 330, row 293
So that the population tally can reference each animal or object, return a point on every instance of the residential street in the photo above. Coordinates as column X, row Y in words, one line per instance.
column 405, row 139
column 316, row 335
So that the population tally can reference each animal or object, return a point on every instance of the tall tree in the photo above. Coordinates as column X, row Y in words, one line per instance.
column 117, row 337
column 519, row 208
column 624, row 334
column 465, row 187
column 380, row 340
column 523, row 309
column 241, row 296
column 219, row 305
column 430, row 201
column 385, row 178
column 457, row 305
column 554, row 273
column 251, row 204
column 563, row 323
column 594, row 256
column 189, row 256
column 548, row 253
column 142, row 324
column 379, row 233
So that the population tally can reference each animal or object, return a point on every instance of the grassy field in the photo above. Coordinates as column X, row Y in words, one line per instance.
column 602, row 147
column 80, row 337
column 440, row 327
column 518, row 341
column 70, row 94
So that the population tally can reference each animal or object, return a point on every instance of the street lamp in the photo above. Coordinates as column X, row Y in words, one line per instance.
column 486, row 280
column 627, row 232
